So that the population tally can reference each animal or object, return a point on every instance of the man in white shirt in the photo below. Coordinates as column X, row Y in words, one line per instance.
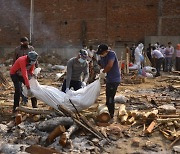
column 159, row 60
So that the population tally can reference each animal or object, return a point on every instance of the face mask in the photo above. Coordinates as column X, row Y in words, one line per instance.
column 32, row 62
column 81, row 60
column 24, row 46
column 104, row 54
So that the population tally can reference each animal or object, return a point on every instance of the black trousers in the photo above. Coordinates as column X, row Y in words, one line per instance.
column 75, row 84
column 111, row 89
column 17, row 80
column 177, row 63
column 158, row 65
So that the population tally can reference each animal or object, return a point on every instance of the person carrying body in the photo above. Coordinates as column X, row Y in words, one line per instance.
column 77, row 72
column 22, row 71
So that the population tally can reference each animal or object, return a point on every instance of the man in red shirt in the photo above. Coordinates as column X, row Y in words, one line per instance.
column 21, row 71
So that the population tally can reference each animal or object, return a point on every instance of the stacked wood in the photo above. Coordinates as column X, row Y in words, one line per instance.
column 103, row 114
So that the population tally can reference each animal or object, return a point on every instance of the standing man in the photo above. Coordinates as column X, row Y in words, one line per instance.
column 169, row 51
column 159, row 59
column 93, row 64
column 21, row 71
column 109, row 63
column 22, row 50
column 76, row 67
column 178, row 57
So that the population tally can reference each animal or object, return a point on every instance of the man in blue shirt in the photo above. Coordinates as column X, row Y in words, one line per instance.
column 109, row 63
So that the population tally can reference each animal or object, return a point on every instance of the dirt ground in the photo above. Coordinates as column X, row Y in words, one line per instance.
column 137, row 93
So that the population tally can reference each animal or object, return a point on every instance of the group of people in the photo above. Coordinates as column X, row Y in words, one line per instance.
column 160, row 56
column 77, row 76
column 164, row 56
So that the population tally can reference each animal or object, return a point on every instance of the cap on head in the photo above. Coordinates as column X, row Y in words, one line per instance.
column 24, row 39
column 101, row 49
column 83, row 53
column 32, row 55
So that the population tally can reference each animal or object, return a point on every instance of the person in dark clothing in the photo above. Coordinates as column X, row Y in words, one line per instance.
column 109, row 63
column 149, row 50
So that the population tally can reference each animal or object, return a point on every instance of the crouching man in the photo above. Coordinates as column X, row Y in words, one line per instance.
column 77, row 68
column 109, row 63
column 20, row 72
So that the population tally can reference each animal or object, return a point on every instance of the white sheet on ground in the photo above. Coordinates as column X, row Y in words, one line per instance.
column 82, row 98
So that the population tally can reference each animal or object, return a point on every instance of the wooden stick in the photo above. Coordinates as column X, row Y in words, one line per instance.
column 169, row 116
column 168, row 120
column 176, row 140
column 34, row 110
column 69, row 113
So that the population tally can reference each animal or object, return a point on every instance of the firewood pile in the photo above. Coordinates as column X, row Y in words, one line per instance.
column 164, row 119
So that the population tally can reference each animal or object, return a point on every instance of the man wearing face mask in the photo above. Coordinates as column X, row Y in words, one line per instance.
column 76, row 67
column 109, row 63
column 23, row 49
column 22, row 71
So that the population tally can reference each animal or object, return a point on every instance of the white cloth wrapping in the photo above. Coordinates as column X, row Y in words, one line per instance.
column 82, row 98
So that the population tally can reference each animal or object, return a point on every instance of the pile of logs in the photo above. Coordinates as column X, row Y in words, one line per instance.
column 168, row 123
column 134, row 116
column 64, row 126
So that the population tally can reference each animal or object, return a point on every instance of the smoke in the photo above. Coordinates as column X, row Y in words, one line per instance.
column 15, row 17
column 13, row 13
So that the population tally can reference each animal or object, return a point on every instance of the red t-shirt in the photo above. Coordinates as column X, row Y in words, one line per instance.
column 21, row 66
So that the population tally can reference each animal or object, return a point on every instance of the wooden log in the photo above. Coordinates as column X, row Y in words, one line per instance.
column 36, row 118
column 18, row 119
column 50, row 124
column 36, row 149
column 150, row 127
column 34, row 110
column 177, row 125
column 122, row 114
column 103, row 114
column 66, row 135
column 130, row 120
column 122, row 110
column 169, row 116
column 132, row 113
column 55, row 133
column 168, row 120
column 124, row 118
column 150, row 115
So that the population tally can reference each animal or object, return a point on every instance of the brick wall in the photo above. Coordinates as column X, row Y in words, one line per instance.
column 72, row 22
